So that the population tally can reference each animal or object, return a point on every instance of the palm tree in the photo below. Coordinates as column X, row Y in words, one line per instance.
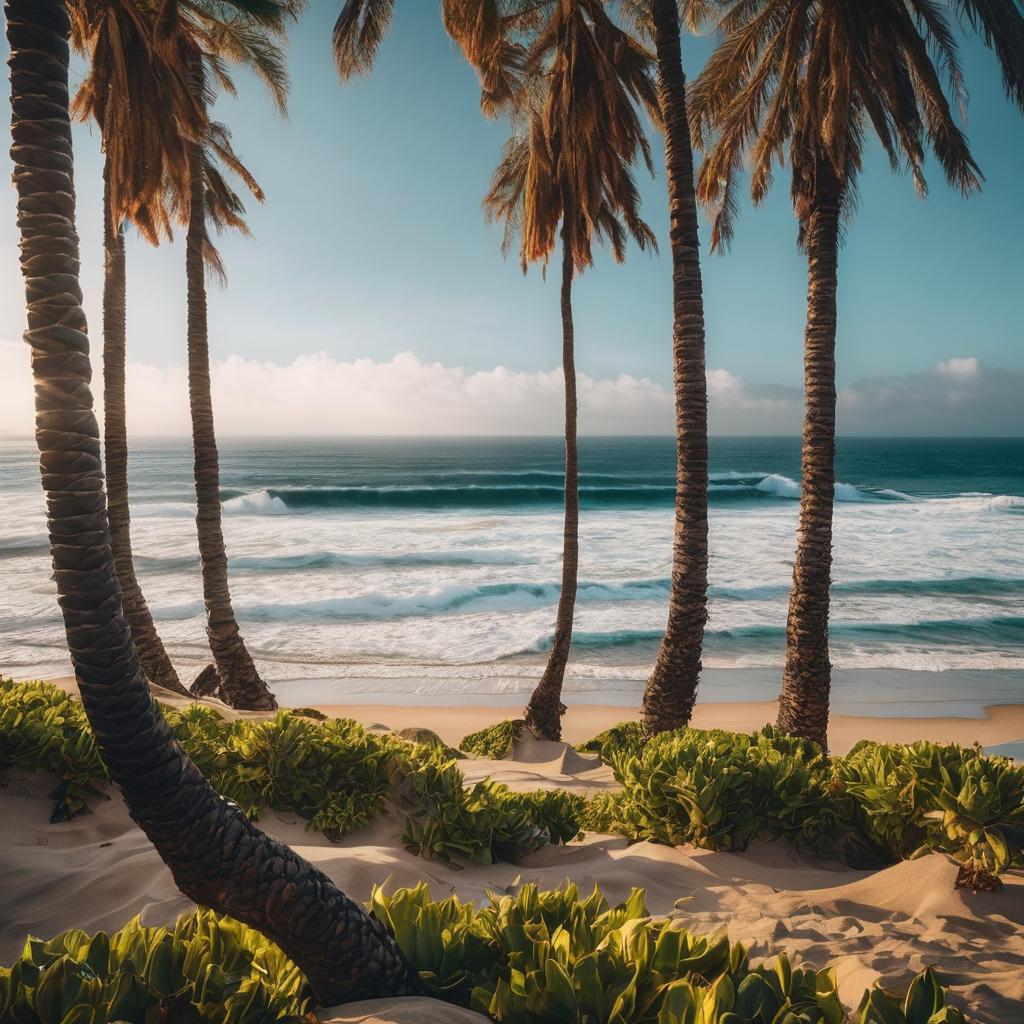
column 147, row 89
column 240, row 684
column 218, row 858
column 672, row 687
column 126, row 91
column 803, row 82
column 488, row 31
column 207, row 33
column 568, row 163
column 567, row 171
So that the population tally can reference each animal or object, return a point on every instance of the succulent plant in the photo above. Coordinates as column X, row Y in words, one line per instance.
column 494, row 741
column 204, row 968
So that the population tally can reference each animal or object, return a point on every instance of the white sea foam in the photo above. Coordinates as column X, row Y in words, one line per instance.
column 261, row 503
column 781, row 486
column 460, row 593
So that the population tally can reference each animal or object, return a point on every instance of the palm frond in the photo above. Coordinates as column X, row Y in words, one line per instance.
column 358, row 33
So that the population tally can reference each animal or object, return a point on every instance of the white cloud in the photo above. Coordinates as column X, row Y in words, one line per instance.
column 319, row 395
column 965, row 368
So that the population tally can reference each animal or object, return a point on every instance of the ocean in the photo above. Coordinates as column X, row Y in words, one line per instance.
column 430, row 567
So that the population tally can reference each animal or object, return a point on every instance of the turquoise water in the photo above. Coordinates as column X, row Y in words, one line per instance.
column 439, row 559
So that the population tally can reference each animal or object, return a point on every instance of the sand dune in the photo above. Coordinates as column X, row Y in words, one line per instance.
column 98, row 870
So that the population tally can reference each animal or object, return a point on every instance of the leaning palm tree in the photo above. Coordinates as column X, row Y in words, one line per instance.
column 803, row 82
column 211, row 199
column 128, row 91
column 208, row 34
column 217, row 857
column 567, row 171
column 147, row 88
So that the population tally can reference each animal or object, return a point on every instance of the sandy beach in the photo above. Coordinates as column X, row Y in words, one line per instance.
column 990, row 726
column 98, row 870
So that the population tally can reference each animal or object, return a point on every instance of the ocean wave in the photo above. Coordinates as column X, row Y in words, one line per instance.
column 723, row 488
column 24, row 547
column 334, row 559
column 951, row 586
column 954, row 586
column 1001, row 628
column 488, row 597
column 313, row 560
column 591, row 641
column 955, row 632
column 981, row 501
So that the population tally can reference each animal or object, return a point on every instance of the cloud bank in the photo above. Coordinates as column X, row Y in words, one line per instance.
column 319, row 395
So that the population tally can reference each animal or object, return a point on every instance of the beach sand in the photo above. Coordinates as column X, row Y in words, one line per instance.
column 98, row 870
column 990, row 726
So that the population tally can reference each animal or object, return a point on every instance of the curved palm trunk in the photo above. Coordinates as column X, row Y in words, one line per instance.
column 803, row 705
column 672, row 686
column 545, row 709
column 217, row 857
column 240, row 683
column 155, row 663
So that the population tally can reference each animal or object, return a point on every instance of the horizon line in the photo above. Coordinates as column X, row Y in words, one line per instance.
column 29, row 438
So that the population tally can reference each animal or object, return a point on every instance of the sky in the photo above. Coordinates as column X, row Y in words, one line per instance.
column 374, row 299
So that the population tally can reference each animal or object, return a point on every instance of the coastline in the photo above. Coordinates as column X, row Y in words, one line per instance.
column 964, row 721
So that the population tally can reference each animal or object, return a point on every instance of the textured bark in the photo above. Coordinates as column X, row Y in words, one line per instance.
column 155, row 663
column 545, row 709
column 803, row 705
column 218, row 858
column 672, row 686
column 240, row 683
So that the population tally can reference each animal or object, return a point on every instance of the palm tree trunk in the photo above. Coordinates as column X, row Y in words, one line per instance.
column 155, row 663
column 803, row 705
column 545, row 709
column 672, row 686
column 218, row 858
column 240, row 683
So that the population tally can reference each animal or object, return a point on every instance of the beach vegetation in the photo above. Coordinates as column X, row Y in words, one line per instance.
column 204, row 968
column 879, row 804
column 482, row 823
column 530, row 957
column 626, row 738
column 493, row 741
column 334, row 773
column 713, row 789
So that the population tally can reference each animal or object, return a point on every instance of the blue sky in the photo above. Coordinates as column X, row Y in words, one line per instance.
column 372, row 243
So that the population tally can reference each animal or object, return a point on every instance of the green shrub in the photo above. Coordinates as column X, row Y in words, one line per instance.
column 42, row 729
column 624, row 738
column 718, row 790
column 980, row 819
column 878, row 804
column 549, row 956
column 428, row 738
column 493, row 742
column 715, row 789
column 480, row 823
column 535, row 957
column 333, row 772
column 204, row 968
